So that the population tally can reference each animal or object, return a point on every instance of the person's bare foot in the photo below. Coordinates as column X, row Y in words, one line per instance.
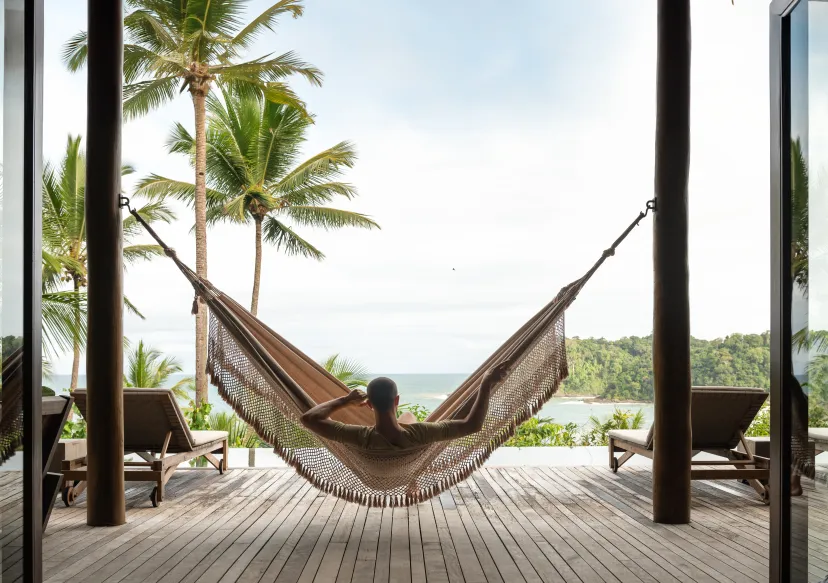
column 796, row 486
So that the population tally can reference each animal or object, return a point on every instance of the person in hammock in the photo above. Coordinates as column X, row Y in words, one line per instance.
column 390, row 432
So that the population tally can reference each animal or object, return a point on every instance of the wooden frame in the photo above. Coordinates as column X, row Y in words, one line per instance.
column 743, row 466
column 33, row 493
column 55, row 411
column 156, row 468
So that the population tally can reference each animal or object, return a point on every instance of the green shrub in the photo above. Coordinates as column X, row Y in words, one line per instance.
column 420, row 412
column 198, row 418
column 74, row 428
column 620, row 419
column 760, row 426
column 240, row 434
column 544, row 433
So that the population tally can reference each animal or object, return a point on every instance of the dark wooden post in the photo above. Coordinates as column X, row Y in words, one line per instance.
column 104, row 356
column 671, row 318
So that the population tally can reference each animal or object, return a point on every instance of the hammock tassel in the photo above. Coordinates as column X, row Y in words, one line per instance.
column 194, row 309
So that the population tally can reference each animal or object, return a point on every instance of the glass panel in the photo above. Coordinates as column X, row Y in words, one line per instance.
column 11, row 289
column 809, row 311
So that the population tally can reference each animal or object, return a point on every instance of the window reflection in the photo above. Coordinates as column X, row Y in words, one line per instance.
column 808, row 386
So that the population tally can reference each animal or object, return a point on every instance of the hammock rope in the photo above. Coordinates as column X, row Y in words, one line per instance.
column 270, row 383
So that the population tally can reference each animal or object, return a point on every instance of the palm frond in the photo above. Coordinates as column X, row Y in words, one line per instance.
column 60, row 324
column 236, row 209
column 812, row 340
column 328, row 218
column 285, row 239
column 158, row 188
column 349, row 372
column 266, row 69
column 314, row 194
column 132, row 309
column 140, row 62
column 181, row 141
column 208, row 25
column 266, row 20
column 75, row 52
column 320, row 168
column 143, row 96
column 145, row 28
column 243, row 85
column 184, row 389
column 155, row 211
column 135, row 253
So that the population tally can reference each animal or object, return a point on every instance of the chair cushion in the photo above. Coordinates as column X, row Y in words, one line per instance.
column 818, row 433
column 203, row 437
column 637, row 436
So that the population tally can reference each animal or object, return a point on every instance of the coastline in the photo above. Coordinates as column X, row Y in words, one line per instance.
column 599, row 399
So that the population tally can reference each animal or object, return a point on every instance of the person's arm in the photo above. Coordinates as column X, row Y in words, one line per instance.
column 477, row 416
column 317, row 418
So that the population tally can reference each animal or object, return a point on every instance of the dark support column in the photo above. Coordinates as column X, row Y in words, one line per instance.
column 104, row 355
column 671, row 318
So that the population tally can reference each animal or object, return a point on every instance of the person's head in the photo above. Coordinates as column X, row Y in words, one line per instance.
column 382, row 395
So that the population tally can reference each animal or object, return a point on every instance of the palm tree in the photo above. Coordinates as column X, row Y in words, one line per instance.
column 64, row 246
column 178, row 45
column 252, row 149
column 799, row 216
column 149, row 369
column 351, row 373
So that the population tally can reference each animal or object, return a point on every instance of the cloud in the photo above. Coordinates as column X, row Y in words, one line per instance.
column 501, row 151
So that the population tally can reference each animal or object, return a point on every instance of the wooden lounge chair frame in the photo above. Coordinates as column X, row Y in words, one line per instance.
column 737, row 465
column 158, row 464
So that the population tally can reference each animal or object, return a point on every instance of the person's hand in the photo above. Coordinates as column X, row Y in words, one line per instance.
column 356, row 397
column 497, row 373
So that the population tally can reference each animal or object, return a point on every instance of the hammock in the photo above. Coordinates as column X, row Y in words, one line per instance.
column 270, row 383
column 11, row 404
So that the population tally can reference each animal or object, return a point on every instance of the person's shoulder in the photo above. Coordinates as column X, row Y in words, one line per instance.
column 425, row 431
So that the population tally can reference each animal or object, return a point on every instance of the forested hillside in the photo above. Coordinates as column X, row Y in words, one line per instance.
column 623, row 369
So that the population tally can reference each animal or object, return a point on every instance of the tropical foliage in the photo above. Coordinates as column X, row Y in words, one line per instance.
column 172, row 46
column 240, row 434
column 148, row 368
column 538, row 432
column 255, row 177
column 351, row 373
column 64, row 249
column 598, row 429
column 622, row 369
column 420, row 412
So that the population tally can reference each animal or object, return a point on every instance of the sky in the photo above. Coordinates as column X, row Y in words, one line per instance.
column 501, row 149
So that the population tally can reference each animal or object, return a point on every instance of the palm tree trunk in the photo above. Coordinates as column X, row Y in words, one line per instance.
column 199, row 93
column 76, row 342
column 257, row 271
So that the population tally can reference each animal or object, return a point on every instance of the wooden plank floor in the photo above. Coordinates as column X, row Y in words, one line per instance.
column 503, row 525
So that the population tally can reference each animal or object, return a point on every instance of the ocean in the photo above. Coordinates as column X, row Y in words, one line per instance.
column 429, row 390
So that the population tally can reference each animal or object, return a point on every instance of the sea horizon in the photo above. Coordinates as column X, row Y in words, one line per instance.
column 428, row 390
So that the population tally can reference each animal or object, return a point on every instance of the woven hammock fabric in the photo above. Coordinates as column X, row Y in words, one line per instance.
column 271, row 383
column 11, row 405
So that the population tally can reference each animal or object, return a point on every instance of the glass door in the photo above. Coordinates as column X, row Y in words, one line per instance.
column 799, row 373
column 21, row 501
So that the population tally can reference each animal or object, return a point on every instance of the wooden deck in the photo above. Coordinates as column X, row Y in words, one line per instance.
column 503, row 525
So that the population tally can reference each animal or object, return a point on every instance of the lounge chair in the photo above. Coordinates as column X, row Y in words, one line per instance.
column 720, row 417
column 155, row 430
column 819, row 435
